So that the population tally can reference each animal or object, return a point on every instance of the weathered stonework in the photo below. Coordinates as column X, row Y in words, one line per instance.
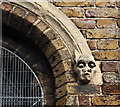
column 92, row 44
column 111, row 89
column 68, row 100
column 110, row 66
column 107, row 44
column 106, row 55
column 84, row 100
column 57, row 37
column 106, row 12
column 105, row 3
column 111, row 77
column 72, row 12
column 106, row 23
column 87, row 71
column 106, row 100
column 84, row 23
column 101, row 33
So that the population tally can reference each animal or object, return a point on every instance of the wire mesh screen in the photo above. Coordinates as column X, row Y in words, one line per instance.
column 19, row 84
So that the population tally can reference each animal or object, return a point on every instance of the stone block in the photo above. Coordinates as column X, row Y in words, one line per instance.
column 107, row 44
column 106, row 55
column 105, row 100
column 84, row 23
column 111, row 89
column 110, row 66
column 106, row 23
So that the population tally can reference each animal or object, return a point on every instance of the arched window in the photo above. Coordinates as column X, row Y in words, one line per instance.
column 19, row 84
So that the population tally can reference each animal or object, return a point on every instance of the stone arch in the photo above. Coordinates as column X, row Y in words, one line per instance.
column 54, row 34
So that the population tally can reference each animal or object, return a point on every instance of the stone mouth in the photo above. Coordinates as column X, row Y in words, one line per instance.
column 86, row 74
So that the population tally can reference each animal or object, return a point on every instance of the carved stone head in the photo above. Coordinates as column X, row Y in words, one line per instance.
column 85, row 69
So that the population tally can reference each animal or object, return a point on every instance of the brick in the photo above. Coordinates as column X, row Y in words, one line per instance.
column 101, row 12
column 31, row 18
column 111, row 89
column 19, row 12
column 110, row 66
column 111, row 77
column 27, row 24
column 106, row 55
column 118, row 3
column 35, row 34
column 42, row 25
column 101, row 33
column 62, row 67
column 73, row 3
column 16, row 18
column 6, row 6
column 119, row 43
column 64, row 78
column 65, row 89
column 107, row 44
column 68, row 100
column 105, row 100
column 59, row 56
column 46, row 37
column 72, row 12
column 106, row 23
column 105, row 3
column 52, row 47
column 84, row 100
column 84, row 23
column 118, row 13
column 51, row 34
column 118, row 22
column 92, row 44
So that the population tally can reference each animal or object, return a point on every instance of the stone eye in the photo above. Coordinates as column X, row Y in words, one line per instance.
column 91, row 64
column 81, row 65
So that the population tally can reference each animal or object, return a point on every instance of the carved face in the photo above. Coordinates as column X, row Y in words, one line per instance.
column 84, row 68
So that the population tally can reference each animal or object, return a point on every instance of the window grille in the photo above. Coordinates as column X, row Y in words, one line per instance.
column 19, row 86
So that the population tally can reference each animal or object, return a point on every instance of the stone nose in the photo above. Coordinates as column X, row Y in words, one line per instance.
column 88, row 70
